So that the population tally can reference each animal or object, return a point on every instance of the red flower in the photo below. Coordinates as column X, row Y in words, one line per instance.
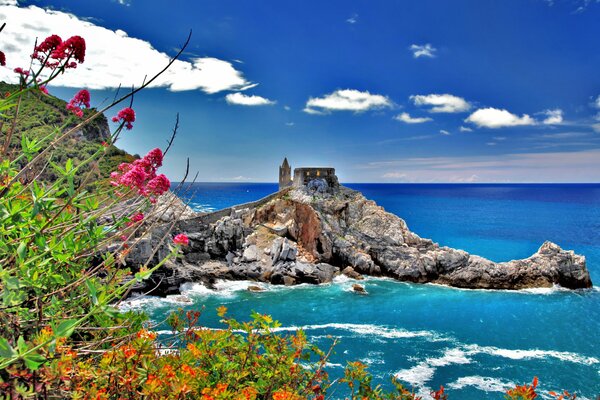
column 54, row 48
column 44, row 90
column 141, row 175
column 81, row 99
column 181, row 239
column 137, row 217
column 49, row 44
column 2, row 59
column 21, row 71
column 126, row 115
column 72, row 47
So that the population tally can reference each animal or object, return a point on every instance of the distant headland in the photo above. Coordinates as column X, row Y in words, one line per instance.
column 313, row 229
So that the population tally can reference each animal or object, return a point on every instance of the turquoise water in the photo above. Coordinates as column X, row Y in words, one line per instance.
column 475, row 343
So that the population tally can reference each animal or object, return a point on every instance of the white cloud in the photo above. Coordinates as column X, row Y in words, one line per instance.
column 423, row 50
column 290, row 123
column 560, row 166
column 465, row 129
column 597, row 102
column 346, row 100
column 353, row 19
column 395, row 175
column 405, row 117
column 444, row 132
column 442, row 103
column 286, row 108
column 596, row 128
column 112, row 57
column 247, row 100
column 553, row 117
column 496, row 118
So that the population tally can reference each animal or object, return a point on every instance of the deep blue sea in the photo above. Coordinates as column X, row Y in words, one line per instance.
column 476, row 343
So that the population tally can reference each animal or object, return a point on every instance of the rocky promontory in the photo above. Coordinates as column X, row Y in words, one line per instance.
column 300, row 235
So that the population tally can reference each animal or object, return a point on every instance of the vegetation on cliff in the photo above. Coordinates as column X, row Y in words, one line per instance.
column 61, row 278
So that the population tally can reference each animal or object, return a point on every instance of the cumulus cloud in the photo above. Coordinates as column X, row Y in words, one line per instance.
column 597, row 102
column 465, row 129
column 444, row 132
column 423, row 50
column 553, row 117
column 346, row 100
column 113, row 58
column 442, row 103
column 496, row 118
column 247, row 100
column 405, row 117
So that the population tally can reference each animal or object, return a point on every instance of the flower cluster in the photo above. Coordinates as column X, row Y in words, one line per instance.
column 181, row 239
column 53, row 50
column 81, row 99
column 127, row 116
column 141, row 175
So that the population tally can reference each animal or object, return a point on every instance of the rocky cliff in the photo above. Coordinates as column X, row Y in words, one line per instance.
column 299, row 236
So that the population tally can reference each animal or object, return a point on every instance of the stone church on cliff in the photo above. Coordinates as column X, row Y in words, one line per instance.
column 305, row 175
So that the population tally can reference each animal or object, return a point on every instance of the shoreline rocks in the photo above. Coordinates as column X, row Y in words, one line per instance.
column 299, row 237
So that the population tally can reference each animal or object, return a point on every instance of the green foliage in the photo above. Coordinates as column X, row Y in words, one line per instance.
column 40, row 114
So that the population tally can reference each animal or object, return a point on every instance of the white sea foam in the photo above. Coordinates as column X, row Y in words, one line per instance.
column 145, row 303
column 484, row 383
column 365, row 330
column 222, row 288
column 424, row 371
column 518, row 354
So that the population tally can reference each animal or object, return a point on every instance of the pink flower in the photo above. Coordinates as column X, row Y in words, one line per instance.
column 44, row 89
column 21, row 71
column 81, row 99
column 72, row 47
column 126, row 115
column 155, row 157
column 54, row 48
column 137, row 217
column 2, row 58
column 181, row 239
column 141, row 175
column 49, row 44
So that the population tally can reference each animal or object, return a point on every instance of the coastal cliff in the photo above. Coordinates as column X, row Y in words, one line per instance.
column 306, row 236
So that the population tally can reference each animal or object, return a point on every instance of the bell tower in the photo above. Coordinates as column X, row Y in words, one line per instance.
column 285, row 175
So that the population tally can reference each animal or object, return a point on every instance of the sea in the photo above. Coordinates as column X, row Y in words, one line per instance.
column 476, row 343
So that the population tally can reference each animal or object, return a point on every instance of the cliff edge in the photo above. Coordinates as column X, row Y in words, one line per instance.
column 301, row 235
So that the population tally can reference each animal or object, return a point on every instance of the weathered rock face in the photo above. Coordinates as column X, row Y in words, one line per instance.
column 302, row 237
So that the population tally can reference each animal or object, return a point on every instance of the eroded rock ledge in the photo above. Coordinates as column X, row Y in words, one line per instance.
column 301, row 237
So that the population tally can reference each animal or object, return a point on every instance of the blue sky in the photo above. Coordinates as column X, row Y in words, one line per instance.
column 384, row 91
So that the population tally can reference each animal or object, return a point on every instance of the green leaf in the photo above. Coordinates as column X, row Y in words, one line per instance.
column 21, row 345
column 93, row 291
column 22, row 251
column 6, row 350
column 33, row 361
column 140, row 276
column 66, row 328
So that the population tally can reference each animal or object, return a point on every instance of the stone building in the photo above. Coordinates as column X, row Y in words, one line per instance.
column 285, row 174
column 303, row 176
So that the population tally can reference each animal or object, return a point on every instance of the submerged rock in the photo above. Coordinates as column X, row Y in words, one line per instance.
column 327, row 232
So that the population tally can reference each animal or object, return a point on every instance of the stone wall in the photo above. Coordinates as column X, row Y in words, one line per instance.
column 304, row 175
